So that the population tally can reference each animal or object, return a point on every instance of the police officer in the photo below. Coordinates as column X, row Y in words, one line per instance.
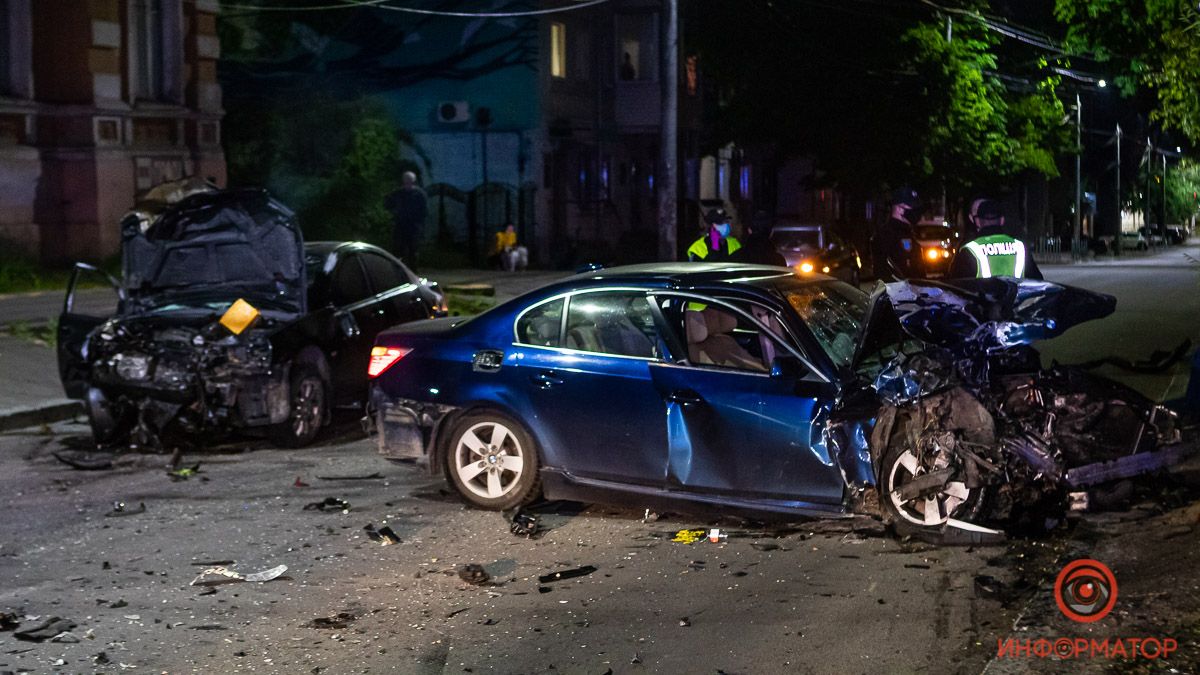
column 758, row 248
column 896, row 253
column 993, row 252
column 716, row 244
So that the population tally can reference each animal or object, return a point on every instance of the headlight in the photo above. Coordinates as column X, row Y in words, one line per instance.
column 933, row 253
column 806, row 267
column 825, row 269
column 135, row 367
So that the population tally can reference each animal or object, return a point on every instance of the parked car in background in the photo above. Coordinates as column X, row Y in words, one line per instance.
column 938, row 242
column 815, row 249
column 1176, row 234
column 225, row 320
column 1134, row 241
column 745, row 388
column 1155, row 235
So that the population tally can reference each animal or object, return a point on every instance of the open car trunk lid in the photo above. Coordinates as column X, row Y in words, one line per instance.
column 967, row 316
column 235, row 244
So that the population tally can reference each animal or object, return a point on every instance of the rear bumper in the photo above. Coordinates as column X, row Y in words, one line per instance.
column 404, row 427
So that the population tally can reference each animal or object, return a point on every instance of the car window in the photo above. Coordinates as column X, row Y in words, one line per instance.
column 383, row 273
column 349, row 284
column 618, row 323
column 716, row 336
column 541, row 325
column 833, row 313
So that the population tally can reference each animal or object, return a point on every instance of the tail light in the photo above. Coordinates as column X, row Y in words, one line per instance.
column 383, row 358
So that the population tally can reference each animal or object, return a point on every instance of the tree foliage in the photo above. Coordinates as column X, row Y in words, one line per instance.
column 1149, row 44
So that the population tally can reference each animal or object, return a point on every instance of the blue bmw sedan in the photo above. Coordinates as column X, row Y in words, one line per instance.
column 744, row 388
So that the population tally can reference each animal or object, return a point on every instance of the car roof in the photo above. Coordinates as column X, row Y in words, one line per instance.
column 678, row 274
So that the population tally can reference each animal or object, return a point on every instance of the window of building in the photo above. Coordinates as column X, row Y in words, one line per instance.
column 558, row 49
column 637, row 47
column 692, row 73
column 147, row 22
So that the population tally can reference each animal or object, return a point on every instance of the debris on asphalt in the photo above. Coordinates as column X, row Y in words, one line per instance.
column 688, row 536
column 373, row 476
column 522, row 524
column 473, row 573
column 299, row 483
column 9, row 621
column 328, row 505
column 65, row 637
column 685, row 622
column 121, row 509
column 384, row 535
column 338, row 621
column 649, row 517
column 764, row 546
column 85, row 462
column 184, row 473
column 989, row 587
column 566, row 574
column 224, row 575
column 212, row 563
column 715, row 535
column 45, row 630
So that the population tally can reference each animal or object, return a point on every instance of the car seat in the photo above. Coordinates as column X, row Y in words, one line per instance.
column 710, row 343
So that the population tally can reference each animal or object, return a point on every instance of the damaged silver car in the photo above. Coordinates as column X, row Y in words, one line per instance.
column 227, row 321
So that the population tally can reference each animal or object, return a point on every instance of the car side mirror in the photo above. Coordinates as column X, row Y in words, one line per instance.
column 788, row 366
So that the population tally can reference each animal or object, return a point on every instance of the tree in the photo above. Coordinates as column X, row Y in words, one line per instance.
column 1150, row 45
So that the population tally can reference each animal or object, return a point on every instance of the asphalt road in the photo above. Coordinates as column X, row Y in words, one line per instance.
column 834, row 597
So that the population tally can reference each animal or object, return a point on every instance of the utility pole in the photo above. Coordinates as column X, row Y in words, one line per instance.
column 667, row 180
column 1078, row 183
column 1120, row 225
column 1149, row 174
column 1162, row 207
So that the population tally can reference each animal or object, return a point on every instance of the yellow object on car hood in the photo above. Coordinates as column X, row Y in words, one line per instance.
column 239, row 316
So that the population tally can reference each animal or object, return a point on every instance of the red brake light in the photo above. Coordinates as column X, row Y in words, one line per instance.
column 383, row 358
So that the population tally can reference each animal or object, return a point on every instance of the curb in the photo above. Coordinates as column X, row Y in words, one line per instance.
column 43, row 413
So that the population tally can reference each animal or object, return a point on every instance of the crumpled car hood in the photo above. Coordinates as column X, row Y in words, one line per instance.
column 971, row 316
column 215, row 244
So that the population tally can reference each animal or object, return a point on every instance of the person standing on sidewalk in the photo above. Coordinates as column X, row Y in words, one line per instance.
column 408, row 207
column 993, row 253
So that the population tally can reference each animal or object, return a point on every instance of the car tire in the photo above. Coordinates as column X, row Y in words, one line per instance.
column 108, row 423
column 489, row 474
column 308, row 407
column 900, row 465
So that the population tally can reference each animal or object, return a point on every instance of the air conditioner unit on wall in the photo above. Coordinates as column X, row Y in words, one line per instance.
column 450, row 112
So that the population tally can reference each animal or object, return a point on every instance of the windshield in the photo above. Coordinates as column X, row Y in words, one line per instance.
column 833, row 312
column 796, row 239
column 932, row 232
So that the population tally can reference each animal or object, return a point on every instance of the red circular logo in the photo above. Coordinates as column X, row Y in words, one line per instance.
column 1085, row 590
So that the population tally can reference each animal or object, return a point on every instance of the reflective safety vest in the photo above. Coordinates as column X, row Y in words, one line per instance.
column 699, row 248
column 997, row 255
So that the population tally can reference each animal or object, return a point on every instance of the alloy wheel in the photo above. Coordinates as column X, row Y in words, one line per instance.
column 489, row 460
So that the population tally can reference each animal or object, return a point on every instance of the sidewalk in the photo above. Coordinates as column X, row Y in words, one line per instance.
column 30, row 391
column 1185, row 255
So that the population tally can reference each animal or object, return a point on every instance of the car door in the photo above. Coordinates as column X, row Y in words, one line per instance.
column 395, row 290
column 82, row 312
column 587, row 380
column 360, row 318
column 745, row 411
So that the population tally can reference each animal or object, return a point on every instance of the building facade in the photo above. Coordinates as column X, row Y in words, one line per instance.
column 101, row 100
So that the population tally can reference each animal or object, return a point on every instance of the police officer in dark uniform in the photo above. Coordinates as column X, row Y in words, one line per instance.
column 757, row 248
column 896, row 252
column 993, row 252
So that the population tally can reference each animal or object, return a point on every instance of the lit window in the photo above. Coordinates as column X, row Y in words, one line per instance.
column 637, row 46
column 148, row 48
column 558, row 50
column 744, row 183
column 693, row 75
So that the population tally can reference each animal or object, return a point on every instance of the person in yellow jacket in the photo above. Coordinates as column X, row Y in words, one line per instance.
column 505, row 250
column 715, row 245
